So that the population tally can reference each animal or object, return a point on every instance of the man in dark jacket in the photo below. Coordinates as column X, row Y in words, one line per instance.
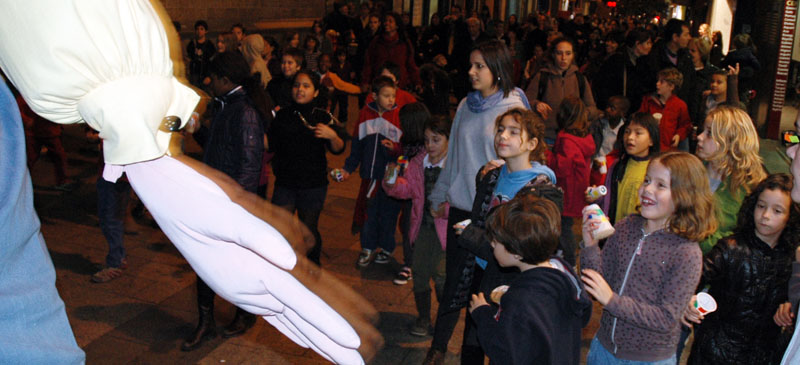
column 234, row 144
column 672, row 51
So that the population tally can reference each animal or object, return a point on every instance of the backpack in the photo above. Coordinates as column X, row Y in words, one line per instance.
column 544, row 77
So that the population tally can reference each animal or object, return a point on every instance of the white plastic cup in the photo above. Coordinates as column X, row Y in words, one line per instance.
column 705, row 303
column 597, row 192
column 605, row 229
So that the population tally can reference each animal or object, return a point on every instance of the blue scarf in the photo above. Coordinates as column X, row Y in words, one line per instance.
column 477, row 103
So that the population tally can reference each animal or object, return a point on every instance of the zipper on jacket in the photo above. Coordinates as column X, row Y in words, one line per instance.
column 636, row 252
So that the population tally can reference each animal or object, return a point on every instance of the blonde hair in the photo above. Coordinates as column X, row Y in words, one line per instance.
column 737, row 147
column 694, row 217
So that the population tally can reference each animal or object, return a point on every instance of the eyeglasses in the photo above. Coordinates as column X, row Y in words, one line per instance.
column 789, row 138
column 319, row 114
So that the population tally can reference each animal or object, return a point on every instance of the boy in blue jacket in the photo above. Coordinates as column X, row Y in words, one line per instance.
column 375, row 142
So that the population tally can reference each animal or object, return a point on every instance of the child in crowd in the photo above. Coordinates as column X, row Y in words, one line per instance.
column 637, row 145
column 413, row 118
column 342, row 68
column 650, row 266
column 540, row 317
column 300, row 142
column 674, row 123
column 375, row 138
column 518, row 142
column 280, row 87
column 427, row 234
column 572, row 161
column 748, row 274
column 402, row 97
column 605, row 131
column 729, row 146
column 723, row 90
column 392, row 71
column 311, row 52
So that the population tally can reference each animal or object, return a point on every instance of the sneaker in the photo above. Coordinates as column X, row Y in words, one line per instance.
column 382, row 257
column 106, row 275
column 421, row 327
column 403, row 276
column 366, row 257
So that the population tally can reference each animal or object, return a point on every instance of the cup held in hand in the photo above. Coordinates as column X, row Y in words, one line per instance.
column 705, row 303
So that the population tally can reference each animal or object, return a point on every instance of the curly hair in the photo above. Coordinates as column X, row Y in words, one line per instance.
column 533, row 125
column 745, row 224
column 737, row 143
column 694, row 217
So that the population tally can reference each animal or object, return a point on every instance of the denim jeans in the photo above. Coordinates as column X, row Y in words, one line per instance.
column 381, row 223
column 308, row 203
column 598, row 355
column 112, row 206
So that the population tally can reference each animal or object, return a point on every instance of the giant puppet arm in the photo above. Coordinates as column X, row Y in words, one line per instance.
column 107, row 63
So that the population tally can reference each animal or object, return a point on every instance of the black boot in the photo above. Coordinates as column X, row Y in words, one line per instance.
column 206, row 329
column 240, row 324
column 423, row 323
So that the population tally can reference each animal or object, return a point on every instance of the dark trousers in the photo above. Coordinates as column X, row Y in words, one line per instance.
column 381, row 223
column 112, row 206
column 342, row 100
column 567, row 241
column 447, row 318
column 308, row 204
column 405, row 227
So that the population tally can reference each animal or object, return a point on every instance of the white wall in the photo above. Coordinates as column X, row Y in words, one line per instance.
column 721, row 19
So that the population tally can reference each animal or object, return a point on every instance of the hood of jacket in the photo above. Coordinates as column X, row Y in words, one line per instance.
column 585, row 145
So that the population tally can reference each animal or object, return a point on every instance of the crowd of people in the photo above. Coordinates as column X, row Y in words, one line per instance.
column 483, row 138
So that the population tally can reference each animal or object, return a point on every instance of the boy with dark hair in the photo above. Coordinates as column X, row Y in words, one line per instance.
column 392, row 71
column 375, row 139
column 199, row 50
column 674, row 123
column 546, row 304
column 280, row 87
column 604, row 131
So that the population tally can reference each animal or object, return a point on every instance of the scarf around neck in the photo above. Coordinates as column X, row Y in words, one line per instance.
column 477, row 103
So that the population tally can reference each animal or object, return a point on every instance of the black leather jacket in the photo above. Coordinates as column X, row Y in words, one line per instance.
column 234, row 144
column 749, row 280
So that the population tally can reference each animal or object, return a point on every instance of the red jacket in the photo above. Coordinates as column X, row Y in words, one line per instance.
column 674, row 118
column 572, row 161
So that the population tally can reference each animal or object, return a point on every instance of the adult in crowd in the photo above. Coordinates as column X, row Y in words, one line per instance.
column 671, row 51
column 627, row 72
column 471, row 146
column 699, row 49
column 556, row 81
column 199, row 51
column 391, row 45
column 459, row 58
column 434, row 38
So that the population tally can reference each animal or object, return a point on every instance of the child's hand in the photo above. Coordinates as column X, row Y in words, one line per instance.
column 588, row 197
column 597, row 286
column 323, row 131
column 691, row 314
column 438, row 212
column 733, row 70
column 675, row 140
column 345, row 174
column 387, row 143
column 543, row 109
column 589, row 225
column 784, row 315
column 390, row 167
column 477, row 301
column 491, row 165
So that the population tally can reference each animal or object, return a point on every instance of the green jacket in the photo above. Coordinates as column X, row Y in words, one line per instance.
column 726, row 204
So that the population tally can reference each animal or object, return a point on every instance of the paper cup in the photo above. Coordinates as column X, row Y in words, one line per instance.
column 705, row 303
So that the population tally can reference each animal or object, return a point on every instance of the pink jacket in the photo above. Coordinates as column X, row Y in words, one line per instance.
column 412, row 186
